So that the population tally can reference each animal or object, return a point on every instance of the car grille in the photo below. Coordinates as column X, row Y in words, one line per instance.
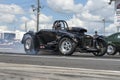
column 88, row 41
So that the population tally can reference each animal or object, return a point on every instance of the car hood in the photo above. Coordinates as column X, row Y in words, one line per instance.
column 77, row 29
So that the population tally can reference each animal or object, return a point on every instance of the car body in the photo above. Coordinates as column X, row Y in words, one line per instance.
column 113, row 43
column 63, row 39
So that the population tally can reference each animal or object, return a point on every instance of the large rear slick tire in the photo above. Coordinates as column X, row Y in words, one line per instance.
column 29, row 45
column 66, row 46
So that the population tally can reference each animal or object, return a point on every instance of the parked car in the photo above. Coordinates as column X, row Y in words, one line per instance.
column 64, row 40
column 113, row 43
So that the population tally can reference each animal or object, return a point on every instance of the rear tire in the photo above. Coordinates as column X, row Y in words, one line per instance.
column 101, row 45
column 29, row 45
column 111, row 50
column 66, row 46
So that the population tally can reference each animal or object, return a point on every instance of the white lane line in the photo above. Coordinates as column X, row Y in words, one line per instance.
column 6, row 48
column 61, row 57
column 26, row 67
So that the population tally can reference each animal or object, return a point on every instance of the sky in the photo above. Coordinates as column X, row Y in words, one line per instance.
column 88, row 14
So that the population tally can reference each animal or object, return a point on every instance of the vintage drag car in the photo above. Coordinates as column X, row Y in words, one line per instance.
column 64, row 40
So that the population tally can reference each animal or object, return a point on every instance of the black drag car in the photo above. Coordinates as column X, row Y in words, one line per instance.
column 64, row 40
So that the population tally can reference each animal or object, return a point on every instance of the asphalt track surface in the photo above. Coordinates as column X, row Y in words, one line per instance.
column 50, row 66
column 75, row 61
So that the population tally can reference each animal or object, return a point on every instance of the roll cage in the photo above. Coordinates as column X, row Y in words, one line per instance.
column 60, row 25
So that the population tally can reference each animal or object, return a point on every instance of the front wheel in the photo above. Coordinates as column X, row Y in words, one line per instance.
column 102, row 47
column 66, row 46
column 29, row 45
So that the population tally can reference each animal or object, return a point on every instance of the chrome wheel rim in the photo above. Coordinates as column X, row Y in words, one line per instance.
column 66, row 46
column 28, row 44
column 110, row 49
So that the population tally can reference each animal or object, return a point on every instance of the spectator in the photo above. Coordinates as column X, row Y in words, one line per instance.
column 96, row 34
